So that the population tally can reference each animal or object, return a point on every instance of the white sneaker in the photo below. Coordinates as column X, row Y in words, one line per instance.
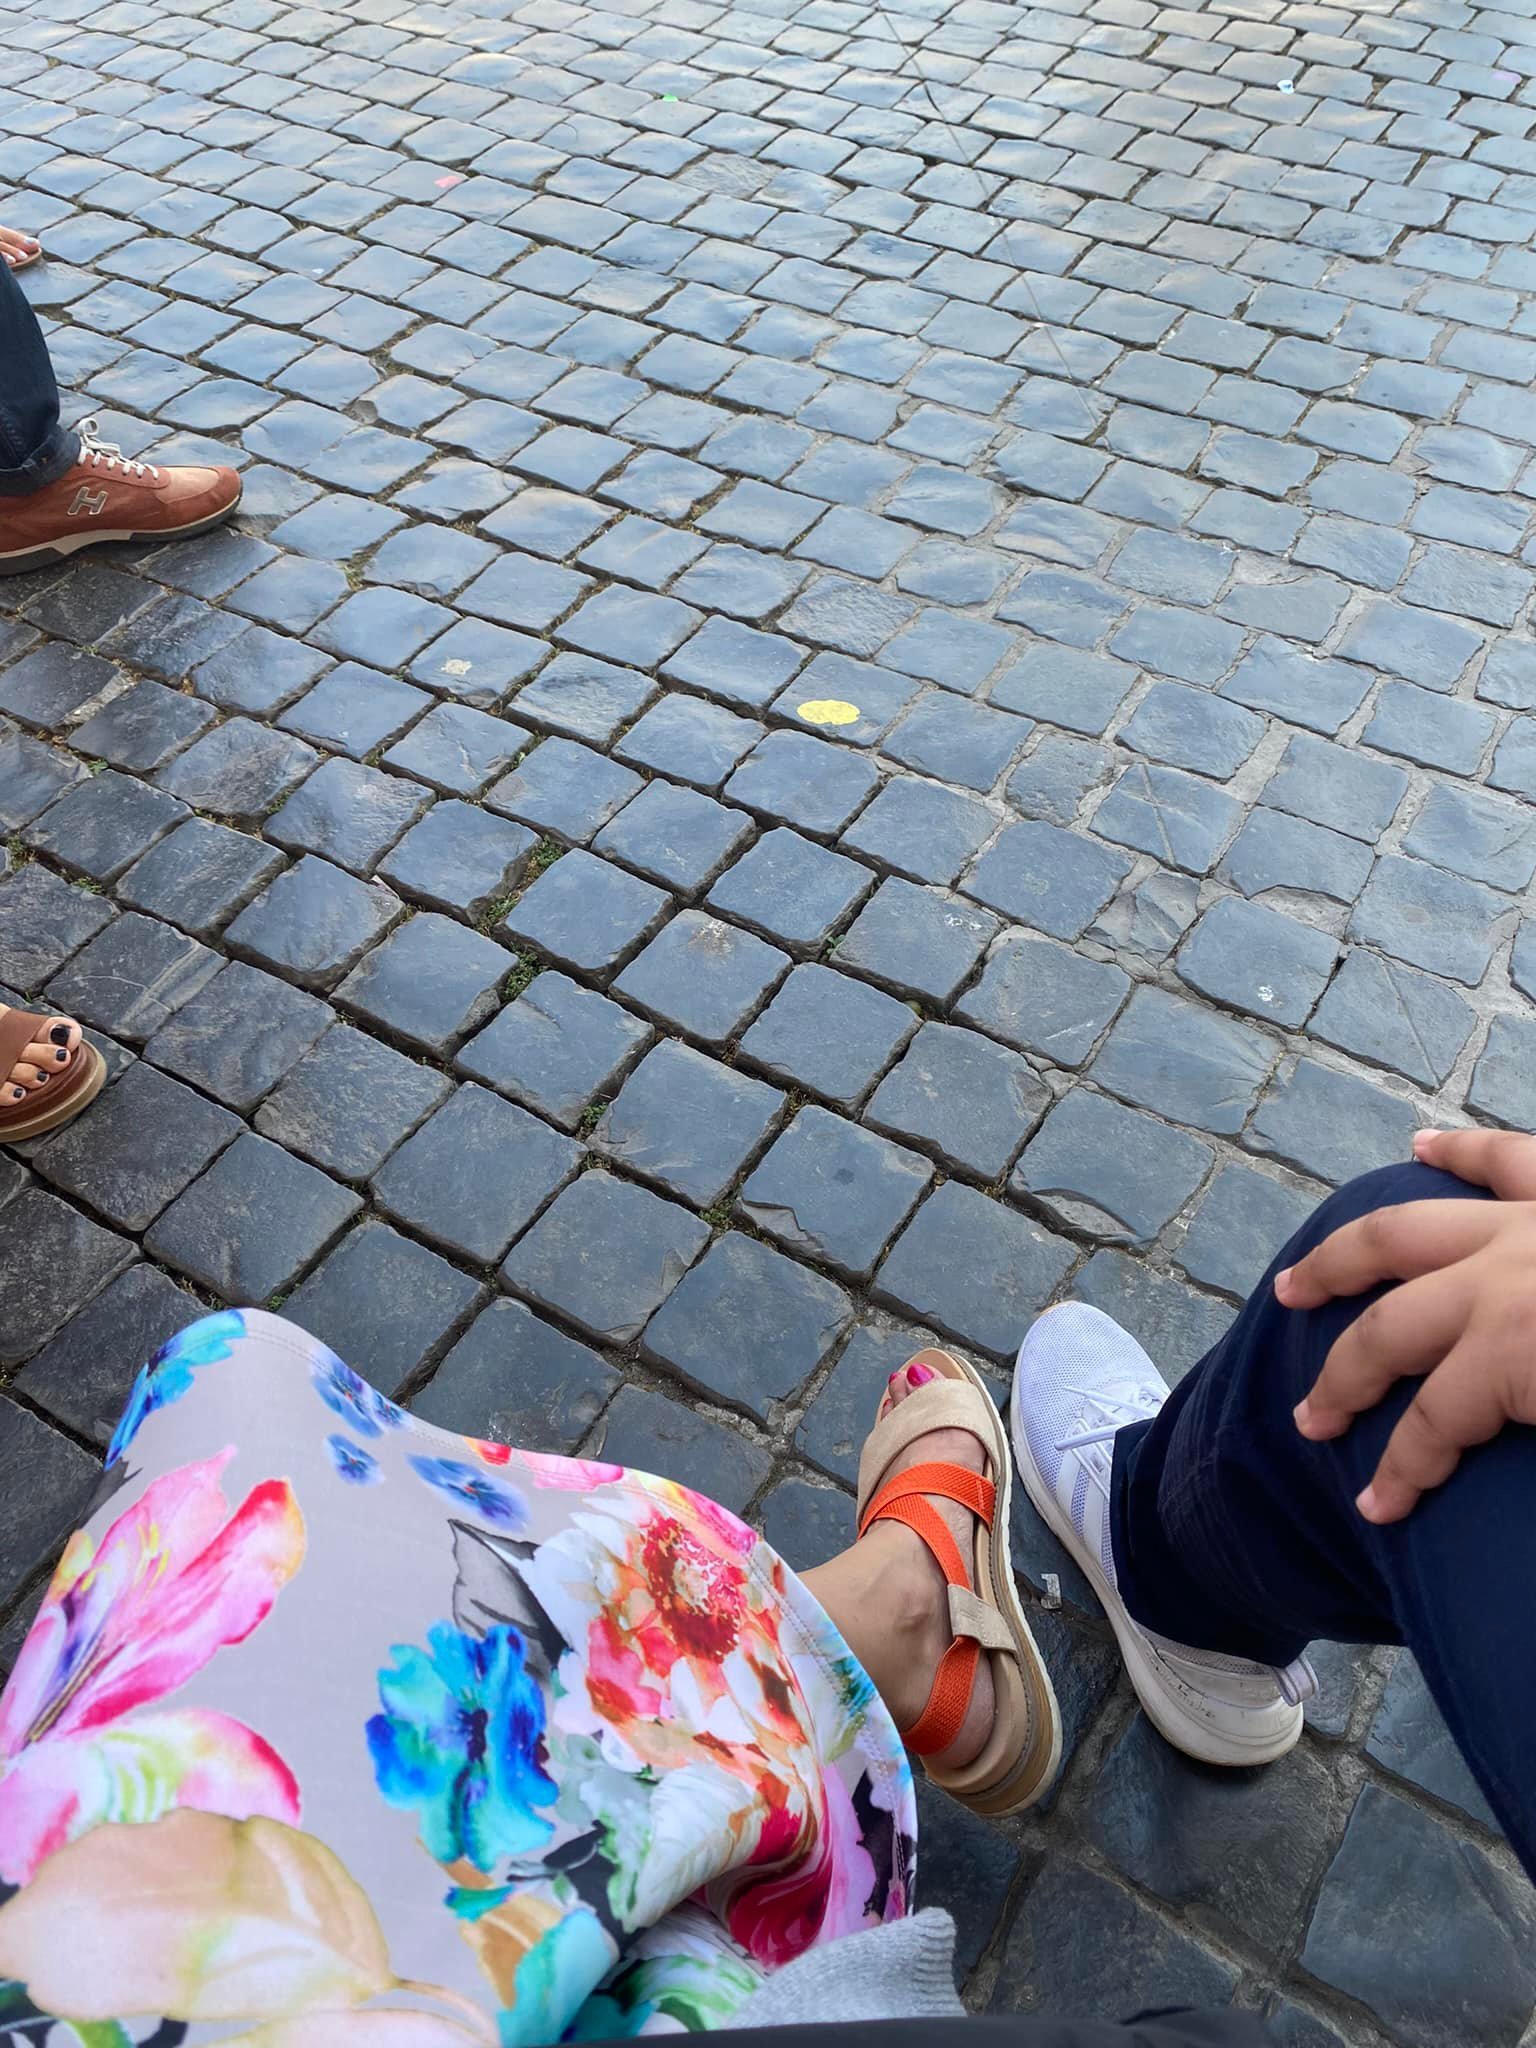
column 1080, row 1378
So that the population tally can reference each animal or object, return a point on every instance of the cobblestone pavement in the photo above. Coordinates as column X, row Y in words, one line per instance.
column 876, row 667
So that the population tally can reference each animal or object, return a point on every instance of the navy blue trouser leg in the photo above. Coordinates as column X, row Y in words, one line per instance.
column 1233, row 1532
column 34, row 448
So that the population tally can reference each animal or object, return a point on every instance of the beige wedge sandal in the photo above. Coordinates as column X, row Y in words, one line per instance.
column 1021, row 1757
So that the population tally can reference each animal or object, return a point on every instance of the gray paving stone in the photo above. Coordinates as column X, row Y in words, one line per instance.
column 134, row 974
column 239, row 771
column 59, row 1259
column 386, row 1302
column 916, row 941
column 1082, row 1947
column 586, row 914
column 84, row 1376
column 147, row 1139
column 1250, row 1848
column 829, row 1034
column 1277, row 851
column 646, row 1432
column 314, row 922
column 1409, row 1738
column 960, row 1096
column 1337, row 787
column 455, row 749
column 1395, row 1017
column 833, row 1192
column 515, row 1379
column 688, row 1123
column 47, row 1483
column 46, row 919
column 238, row 1036
column 1330, row 1124
column 973, row 1269
column 474, row 1175
column 675, row 836
column 199, row 876
column 746, row 1325
column 1243, row 1221
column 1097, row 1167
column 459, row 858
column 1192, row 729
column 648, row 1245
column 920, row 829
column 1429, row 918
column 1080, row 691
column 1057, row 881
column 564, row 789
column 1044, row 999
column 1184, row 1062
column 1502, row 1079
column 1173, row 1323
column 703, row 976
column 555, row 1048
column 348, row 1102
column 254, row 1221
column 1182, row 819
column 1251, row 958
column 99, row 826
column 430, row 983
column 348, row 814
column 1468, row 1966
column 790, row 889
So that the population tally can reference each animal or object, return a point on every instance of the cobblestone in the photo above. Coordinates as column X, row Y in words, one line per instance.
column 974, row 567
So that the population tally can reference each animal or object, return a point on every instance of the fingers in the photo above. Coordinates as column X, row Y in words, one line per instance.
column 1388, row 1244
column 1406, row 1332
column 1460, row 1405
column 1502, row 1160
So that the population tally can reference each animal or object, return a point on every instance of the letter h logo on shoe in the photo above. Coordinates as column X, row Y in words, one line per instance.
column 88, row 501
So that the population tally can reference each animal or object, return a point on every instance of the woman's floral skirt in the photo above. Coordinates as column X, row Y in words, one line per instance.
column 338, row 1731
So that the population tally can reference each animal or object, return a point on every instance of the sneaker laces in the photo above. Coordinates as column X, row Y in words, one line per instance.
column 107, row 455
column 1296, row 1681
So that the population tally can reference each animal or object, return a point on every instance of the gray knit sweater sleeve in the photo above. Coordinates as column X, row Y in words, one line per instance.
column 904, row 1970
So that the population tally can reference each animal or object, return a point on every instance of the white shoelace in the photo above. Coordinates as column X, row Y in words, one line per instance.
column 1297, row 1681
column 107, row 454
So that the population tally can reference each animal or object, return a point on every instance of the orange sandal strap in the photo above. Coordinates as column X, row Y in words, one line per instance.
column 902, row 1500
column 953, row 1683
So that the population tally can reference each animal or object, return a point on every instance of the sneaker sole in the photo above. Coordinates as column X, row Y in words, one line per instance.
column 1167, row 1713
column 19, row 561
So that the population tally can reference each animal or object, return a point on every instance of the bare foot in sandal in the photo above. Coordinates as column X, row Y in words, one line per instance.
column 48, row 1073
column 897, row 1618
column 926, row 1598
column 40, row 1058
column 18, row 250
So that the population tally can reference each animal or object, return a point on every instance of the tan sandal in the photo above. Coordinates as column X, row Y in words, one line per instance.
column 62, row 1096
column 1019, row 1761
column 24, row 262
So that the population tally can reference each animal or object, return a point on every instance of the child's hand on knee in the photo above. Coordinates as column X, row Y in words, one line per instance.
column 1464, row 1319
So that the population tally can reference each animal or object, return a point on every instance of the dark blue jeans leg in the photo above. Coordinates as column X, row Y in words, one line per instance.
column 34, row 448
column 1232, row 1532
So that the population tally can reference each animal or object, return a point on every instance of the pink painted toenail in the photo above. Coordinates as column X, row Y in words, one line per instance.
column 919, row 1375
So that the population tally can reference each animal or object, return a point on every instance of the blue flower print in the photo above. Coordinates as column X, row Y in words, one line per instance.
column 168, row 1374
column 489, row 1498
column 352, row 1462
column 460, row 1741
column 347, row 1394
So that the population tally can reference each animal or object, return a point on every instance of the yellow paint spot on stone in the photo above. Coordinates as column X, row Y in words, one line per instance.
column 829, row 711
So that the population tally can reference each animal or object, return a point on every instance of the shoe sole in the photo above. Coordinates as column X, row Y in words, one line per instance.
column 19, row 561
column 1172, row 1720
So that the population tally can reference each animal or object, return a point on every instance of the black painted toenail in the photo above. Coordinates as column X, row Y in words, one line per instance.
column 60, row 1034
column 61, row 1056
column 19, row 1093
column 42, row 1074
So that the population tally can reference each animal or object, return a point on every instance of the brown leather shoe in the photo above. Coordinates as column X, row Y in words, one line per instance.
column 105, row 495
